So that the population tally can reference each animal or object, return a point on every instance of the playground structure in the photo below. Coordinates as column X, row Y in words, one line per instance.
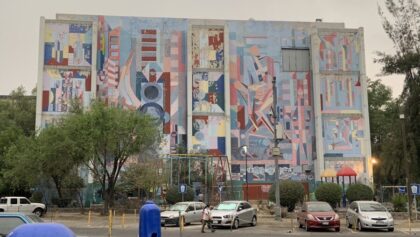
column 208, row 175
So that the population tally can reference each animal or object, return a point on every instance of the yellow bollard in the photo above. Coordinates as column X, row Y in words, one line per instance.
column 110, row 223
column 123, row 220
column 89, row 217
column 181, row 223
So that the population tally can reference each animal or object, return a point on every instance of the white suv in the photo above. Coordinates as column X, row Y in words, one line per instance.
column 21, row 204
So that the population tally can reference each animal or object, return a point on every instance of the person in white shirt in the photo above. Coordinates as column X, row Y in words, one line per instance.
column 206, row 219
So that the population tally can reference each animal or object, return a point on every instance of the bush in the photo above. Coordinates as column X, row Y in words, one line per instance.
column 173, row 195
column 36, row 197
column 399, row 202
column 291, row 192
column 329, row 192
column 357, row 192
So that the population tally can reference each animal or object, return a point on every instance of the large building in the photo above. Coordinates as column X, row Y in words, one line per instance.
column 210, row 84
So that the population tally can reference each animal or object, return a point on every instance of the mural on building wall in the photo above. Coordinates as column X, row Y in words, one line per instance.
column 209, row 134
column 356, row 165
column 208, row 92
column 339, row 51
column 68, row 44
column 207, row 48
column 341, row 94
column 255, row 57
column 343, row 136
column 142, row 66
column 60, row 86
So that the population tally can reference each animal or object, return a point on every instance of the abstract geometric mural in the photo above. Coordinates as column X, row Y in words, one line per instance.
column 342, row 136
column 341, row 93
column 208, row 92
column 339, row 52
column 209, row 134
column 207, row 48
column 60, row 86
column 68, row 44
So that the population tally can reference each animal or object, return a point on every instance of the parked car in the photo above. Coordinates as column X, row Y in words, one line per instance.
column 369, row 215
column 318, row 215
column 234, row 213
column 21, row 204
column 190, row 211
column 9, row 221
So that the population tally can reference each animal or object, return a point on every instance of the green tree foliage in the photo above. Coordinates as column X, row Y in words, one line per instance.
column 357, row 192
column 400, row 203
column 329, row 192
column 173, row 195
column 17, row 116
column 403, row 28
column 291, row 192
column 108, row 137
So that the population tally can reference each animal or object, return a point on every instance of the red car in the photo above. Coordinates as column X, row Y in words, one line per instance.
column 318, row 215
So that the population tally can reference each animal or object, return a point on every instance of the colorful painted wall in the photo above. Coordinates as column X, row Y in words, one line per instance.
column 217, row 77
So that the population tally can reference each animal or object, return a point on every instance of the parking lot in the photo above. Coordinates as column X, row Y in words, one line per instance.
column 98, row 227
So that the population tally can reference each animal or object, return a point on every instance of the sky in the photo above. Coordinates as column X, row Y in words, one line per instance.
column 19, row 22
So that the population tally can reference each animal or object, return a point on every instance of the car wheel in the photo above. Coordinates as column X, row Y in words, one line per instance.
column 307, row 227
column 359, row 226
column 254, row 221
column 236, row 224
column 349, row 225
column 38, row 212
column 337, row 229
column 391, row 229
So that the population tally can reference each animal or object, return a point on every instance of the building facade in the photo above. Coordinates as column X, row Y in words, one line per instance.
column 209, row 82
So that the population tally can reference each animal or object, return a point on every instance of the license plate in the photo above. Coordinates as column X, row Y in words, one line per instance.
column 380, row 222
column 215, row 222
column 325, row 223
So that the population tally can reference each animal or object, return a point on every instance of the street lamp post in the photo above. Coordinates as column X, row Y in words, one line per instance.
column 408, row 164
column 244, row 148
column 276, row 154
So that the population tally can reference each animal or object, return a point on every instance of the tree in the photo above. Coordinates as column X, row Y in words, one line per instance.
column 357, row 192
column 17, row 116
column 329, row 192
column 108, row 137
column 291, row 192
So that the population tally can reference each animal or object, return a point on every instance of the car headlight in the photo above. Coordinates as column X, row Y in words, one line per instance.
column 389, row 216
column 171, row 216
column 336, row 217
column 227, row 216
column 310, row 217
column 364, row 216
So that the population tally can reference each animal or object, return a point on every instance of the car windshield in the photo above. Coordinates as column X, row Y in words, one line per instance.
column 371, row 207
column 319, row 207
column 178, row 207
column 226, row 206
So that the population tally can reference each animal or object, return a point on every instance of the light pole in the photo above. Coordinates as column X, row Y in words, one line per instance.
column 276, row 154
column 407, row 167
column 244, row 149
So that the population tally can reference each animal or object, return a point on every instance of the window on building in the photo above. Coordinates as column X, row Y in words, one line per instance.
column 295, row 60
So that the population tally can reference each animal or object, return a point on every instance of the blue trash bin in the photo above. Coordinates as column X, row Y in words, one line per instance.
column 42, row 230
column 149, row 225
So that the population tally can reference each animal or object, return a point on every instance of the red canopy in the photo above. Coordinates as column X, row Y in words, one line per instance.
column 346, row 171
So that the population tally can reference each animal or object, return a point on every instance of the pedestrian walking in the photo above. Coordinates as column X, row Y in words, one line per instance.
column 206, row 219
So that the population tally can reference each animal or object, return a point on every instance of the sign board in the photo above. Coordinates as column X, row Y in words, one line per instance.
column 415, row 189
column 182, row 188
column 401, row 189
column 275, row 151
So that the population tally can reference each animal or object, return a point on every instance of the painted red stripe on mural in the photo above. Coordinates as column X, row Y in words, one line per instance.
column 241, row 116
column 45, row 100
column 148, row 40
column 148, row 58
column 88, row 83
column 148, row 31
column 167, row 100
column 148, row 48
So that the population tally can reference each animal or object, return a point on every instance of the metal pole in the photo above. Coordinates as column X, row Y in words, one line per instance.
column 246, row 176
column 408, row 164
column 277, row 209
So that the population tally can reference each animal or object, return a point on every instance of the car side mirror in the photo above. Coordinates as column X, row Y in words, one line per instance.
column 240, row 208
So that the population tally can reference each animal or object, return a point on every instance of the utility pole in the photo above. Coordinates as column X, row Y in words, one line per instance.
column 276, row 154
column 407, row 167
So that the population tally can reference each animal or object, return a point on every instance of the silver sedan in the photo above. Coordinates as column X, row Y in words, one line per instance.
column 234, row 214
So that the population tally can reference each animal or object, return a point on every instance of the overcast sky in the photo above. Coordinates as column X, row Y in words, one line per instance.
column 19, row 21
